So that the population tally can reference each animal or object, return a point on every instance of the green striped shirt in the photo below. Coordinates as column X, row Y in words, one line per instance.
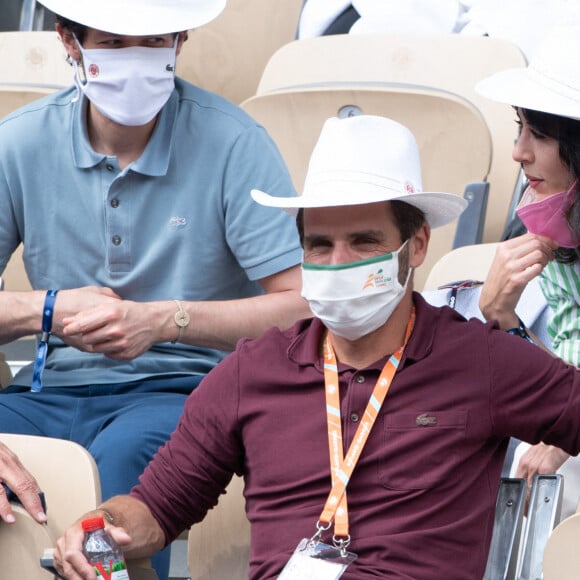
column 560, row 284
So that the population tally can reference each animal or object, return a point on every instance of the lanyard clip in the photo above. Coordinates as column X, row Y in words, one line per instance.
column 319, row 529
column 341, row 544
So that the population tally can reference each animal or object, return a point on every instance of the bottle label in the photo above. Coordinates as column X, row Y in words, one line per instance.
column 112, row 571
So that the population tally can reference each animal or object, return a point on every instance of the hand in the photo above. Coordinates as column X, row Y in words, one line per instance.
column 70, row 302
column 22, row 483
column 69, row 559
column 121, row 329
column 516, row 262
column 540, row 458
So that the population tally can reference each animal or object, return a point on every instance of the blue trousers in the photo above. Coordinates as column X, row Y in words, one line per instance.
column 122, row 425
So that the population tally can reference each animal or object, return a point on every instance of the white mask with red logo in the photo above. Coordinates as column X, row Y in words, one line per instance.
column 128, row 85
column 354, row 299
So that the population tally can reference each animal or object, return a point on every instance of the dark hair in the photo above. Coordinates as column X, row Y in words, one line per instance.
column 79, row 30
column 567, row 132
column 408, row 218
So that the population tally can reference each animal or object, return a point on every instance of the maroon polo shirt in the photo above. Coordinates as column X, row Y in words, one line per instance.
column 422, row 497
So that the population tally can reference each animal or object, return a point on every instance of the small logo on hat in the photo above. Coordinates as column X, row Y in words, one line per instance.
column 94, row 70
column 409, row 187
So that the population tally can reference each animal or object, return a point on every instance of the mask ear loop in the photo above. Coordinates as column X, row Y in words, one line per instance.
column 79, row 80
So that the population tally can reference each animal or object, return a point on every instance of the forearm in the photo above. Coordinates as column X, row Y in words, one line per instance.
column 20, row 314
column 221, row 324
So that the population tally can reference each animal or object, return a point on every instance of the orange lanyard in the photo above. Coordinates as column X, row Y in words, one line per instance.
column 342, row 467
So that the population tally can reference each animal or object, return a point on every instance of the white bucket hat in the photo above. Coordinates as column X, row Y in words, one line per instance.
column 367, row 159
column 550, row 83
column 138, row 17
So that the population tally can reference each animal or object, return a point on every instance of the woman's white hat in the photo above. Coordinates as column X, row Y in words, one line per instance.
column 367, row 159
column 550, row 83
column 138, row 17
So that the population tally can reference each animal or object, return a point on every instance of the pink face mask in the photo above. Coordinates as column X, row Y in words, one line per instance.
column 548, row 216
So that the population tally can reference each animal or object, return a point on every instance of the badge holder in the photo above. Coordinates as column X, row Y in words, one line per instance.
column 315, row 560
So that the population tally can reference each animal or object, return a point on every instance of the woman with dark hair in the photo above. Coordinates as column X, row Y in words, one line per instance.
column 546, row 98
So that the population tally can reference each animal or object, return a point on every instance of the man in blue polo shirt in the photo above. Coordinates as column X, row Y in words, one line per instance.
column 147, row 258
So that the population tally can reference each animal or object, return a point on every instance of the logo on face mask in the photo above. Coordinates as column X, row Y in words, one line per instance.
column 376, row 280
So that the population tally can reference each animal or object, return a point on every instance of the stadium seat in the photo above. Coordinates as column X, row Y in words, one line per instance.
column 447, row 128
column 450, row 62
column 35, row 58
column 219, row 546
column 227, row 55
column 465, row 263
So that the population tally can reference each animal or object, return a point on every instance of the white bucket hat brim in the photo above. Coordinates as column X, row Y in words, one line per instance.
column 366, row 159
column 138, row 17
column 550, row 83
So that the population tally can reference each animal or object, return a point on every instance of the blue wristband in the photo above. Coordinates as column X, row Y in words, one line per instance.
column 42, row 349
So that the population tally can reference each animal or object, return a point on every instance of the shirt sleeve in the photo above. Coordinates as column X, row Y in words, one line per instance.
column 560, row 284
column 187, row 475
column 263, row 239
column 534, row 395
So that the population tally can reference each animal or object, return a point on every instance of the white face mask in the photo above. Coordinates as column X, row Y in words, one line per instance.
column 127, row 85
column 354, row 299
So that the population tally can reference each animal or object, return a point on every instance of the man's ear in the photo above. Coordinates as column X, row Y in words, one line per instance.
column 69, row 42
column 418, row 245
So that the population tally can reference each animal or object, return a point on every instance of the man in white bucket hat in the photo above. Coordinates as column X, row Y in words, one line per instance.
column 410, row 411
column 129, row 192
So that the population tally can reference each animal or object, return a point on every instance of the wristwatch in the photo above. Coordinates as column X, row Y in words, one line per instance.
column 181, row 319
column 520, row 331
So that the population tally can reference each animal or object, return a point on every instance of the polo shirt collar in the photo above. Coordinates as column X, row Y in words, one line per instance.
column 304, row 349
column 154, row 160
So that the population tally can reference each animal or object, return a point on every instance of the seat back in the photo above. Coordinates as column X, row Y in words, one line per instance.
column 66, row 473
column 452, row 62
column 561, row 554
column 5, row 372
column 465, row 263
column 14, row 96
column 219, row 546
column 447, row 129
column 21, row 545
column 34, row 57
column 227, row 55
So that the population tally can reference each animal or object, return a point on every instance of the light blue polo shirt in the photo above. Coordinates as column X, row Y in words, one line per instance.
column 178, row 223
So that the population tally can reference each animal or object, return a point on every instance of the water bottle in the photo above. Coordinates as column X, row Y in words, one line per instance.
column 102, row 551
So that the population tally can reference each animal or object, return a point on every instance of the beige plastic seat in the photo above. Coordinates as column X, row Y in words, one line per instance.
column 68, row 476
column 219, row 546
column 227, row 55
column 21, row 545
column 34, row 58
column 561, row 555
column 465, row 263
column 15, row 96
column 448, row 62
column 447, row 127
column 5, row 372
column 66, row 473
